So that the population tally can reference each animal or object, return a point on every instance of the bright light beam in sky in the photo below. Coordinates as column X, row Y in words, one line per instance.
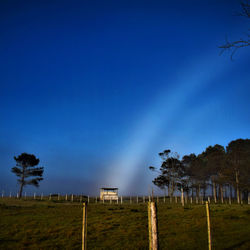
column 166, row 106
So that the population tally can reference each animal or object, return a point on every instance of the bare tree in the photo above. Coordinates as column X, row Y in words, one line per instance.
column 235, row 45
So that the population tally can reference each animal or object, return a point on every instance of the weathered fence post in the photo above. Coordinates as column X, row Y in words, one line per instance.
column 121, row 199
column 208, row 199
column 17, row 195
column 66, row 197
column 88, row 198
column 208, row 226
column 137, row 199
column 72, row 198
column 182, row 198
column 84, row 227
column 58, row 197
column 10, row 194
column 152, row 226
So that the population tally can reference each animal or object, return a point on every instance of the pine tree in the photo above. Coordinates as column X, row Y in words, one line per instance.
column 25, row 168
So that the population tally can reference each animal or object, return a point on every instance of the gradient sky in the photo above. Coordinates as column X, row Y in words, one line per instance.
column 96, row 89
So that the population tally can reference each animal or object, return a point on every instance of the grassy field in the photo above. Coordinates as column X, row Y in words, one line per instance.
column 57, row 225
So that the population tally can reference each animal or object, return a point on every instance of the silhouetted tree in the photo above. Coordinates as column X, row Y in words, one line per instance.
column 238, row 157
column 25, row 168
column 235, row 45
column 171, row 171
column 215, row 161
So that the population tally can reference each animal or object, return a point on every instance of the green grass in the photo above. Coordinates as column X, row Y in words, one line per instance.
column 58, row 225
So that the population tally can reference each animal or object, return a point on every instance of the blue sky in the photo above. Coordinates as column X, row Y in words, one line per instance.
column 96, row 89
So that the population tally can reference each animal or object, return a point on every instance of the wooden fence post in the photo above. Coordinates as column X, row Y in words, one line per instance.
column 58, row 197
column 152, row 226
column 72, row 197
column 66, row 197
column 88, row 198
column 137, row 199
column 208, row 226
column 121, row 199
column 182, row 198
column 84, row 227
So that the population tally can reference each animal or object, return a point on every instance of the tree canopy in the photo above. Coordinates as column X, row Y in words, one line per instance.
column 25, row 168
column 223, row 169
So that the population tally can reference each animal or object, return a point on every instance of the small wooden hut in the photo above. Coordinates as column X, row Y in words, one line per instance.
column 109, row 194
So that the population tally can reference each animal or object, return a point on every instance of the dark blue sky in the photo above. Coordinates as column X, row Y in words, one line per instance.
column 96, row 89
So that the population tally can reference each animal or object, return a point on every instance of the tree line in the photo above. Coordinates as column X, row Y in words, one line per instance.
column 222, row 171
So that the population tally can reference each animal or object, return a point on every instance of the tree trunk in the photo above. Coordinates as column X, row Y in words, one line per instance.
column 21, row 185
column 221, row 193
column 237, row 186
column 204, row 191
column 20, row 190
column 214, row 192
column 231, row 191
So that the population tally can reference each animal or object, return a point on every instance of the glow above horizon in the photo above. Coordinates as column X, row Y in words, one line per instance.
column 96, row 90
